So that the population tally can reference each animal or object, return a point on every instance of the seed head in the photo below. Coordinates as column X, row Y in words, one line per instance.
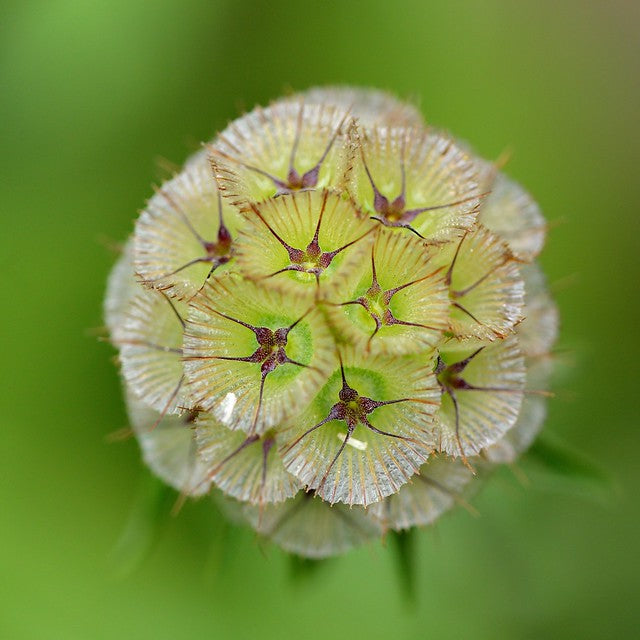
column 333, row 316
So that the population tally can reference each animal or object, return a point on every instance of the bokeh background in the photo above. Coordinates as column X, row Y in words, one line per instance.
column 92, row 94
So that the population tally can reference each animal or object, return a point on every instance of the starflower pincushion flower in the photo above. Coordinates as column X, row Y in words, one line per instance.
column 332, row 319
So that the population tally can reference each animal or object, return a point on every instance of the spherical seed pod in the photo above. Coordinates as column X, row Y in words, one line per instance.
column 333, row 315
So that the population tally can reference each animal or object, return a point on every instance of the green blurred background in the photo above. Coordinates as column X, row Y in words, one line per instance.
column 92, row 94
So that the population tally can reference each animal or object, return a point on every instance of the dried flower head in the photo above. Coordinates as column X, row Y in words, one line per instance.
column 333, row 316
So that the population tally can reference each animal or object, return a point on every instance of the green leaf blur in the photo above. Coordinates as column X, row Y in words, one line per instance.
column 98, row 99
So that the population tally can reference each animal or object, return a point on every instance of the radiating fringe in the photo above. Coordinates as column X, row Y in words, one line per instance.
column 223, row 367
column 436, row 489
column 178, row 236
column 150, row 341
column 471, row 419
column 380, row 455
column 436, row 173
column 486, row 288
column 254, row 157
column 247, row 468
column 281, row 225
column 409, row 312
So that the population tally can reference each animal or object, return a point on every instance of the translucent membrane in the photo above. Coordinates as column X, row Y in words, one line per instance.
column 370, row 452
column 536, row 336
column 511, row 213
column 396, row 301
column 309, row 527
column 489, row 409
column 487, row 292
column 371, row 107
column 234, row 371
column 287, row 147
column 185, row 233
column 436, row 489
column 168, row 447
column 530, row 418
column 150, row 341
column 247, row 468
column 539, row 330
column 428, row 182
column 121, row 288
column 281, row 227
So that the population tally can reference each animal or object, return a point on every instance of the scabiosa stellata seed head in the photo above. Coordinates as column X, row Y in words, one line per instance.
column 332, row 319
